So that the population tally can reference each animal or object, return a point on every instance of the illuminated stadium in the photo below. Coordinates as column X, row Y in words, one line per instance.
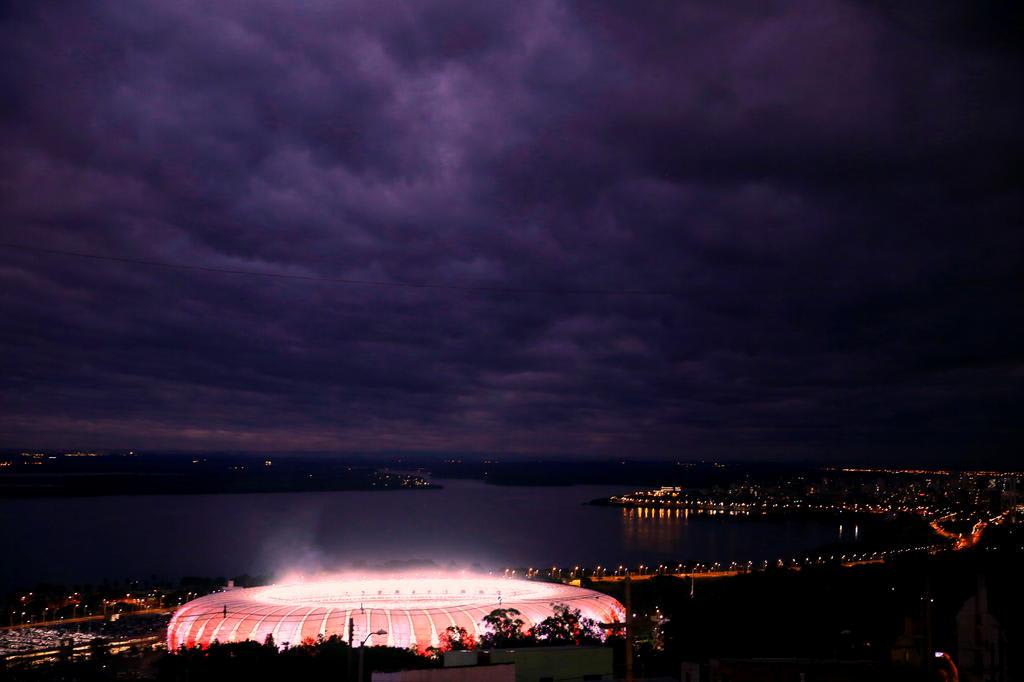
column 412, row 610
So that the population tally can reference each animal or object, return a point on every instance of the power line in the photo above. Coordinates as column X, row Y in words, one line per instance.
column 335, row 280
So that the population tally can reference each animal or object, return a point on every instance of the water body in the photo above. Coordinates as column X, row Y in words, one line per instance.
column 467, row 523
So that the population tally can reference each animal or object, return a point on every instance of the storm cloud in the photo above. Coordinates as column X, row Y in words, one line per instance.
column 686, row 229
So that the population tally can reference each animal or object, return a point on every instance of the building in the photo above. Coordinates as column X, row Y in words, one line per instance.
column 981, row 642
column 393, row 610
column 501, row 672
column 564, row 663
column 529, row 664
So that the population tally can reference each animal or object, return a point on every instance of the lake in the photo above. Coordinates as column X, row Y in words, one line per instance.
column 82, row 540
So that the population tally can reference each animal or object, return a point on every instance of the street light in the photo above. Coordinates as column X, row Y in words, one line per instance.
column 363, row 646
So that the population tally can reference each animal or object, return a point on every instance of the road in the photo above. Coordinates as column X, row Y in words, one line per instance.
column 80, row 619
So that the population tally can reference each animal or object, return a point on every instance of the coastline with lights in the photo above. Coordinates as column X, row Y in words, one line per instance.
column 956, row 507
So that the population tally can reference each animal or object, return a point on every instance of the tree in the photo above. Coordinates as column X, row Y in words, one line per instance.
column 506, row 629
column 567, row 627
column 456, row 639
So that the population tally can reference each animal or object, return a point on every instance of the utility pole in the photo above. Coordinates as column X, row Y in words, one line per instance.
column 351, row 644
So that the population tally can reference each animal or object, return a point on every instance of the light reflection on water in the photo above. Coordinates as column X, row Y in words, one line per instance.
column 661, row 530
column 722, row 535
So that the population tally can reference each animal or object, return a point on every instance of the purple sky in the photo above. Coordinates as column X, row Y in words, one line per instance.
column 821, row 192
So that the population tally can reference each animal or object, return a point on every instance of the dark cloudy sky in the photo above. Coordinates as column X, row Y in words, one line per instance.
column 818, row 197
